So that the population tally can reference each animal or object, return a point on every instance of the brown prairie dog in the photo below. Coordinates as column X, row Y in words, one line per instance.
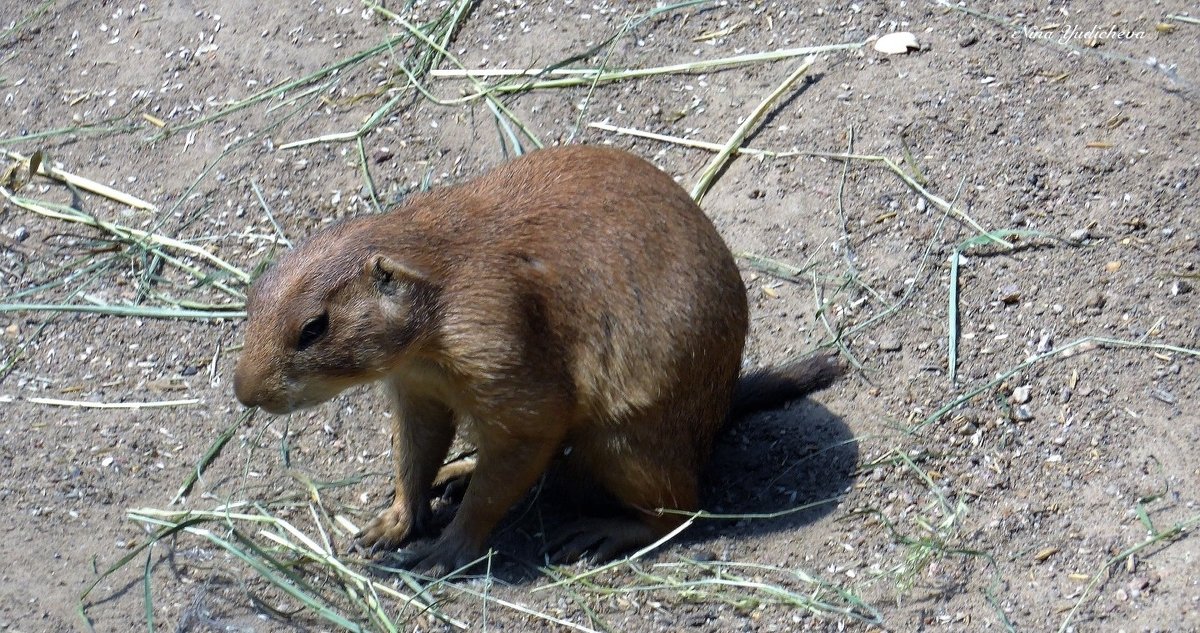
column 575, row 298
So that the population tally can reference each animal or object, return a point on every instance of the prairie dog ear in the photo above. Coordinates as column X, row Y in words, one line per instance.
column 389, row 275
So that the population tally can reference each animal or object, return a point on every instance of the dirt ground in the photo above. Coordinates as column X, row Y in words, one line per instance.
column 1059, row 493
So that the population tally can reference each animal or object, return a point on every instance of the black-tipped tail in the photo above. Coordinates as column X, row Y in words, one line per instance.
column 772, row 387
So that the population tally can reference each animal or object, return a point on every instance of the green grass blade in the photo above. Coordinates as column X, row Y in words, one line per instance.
column 147, row 598
column 81, row 605
column 211, row 454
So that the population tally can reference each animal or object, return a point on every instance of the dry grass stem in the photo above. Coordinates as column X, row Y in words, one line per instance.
column 717, row 164
column 84, row 404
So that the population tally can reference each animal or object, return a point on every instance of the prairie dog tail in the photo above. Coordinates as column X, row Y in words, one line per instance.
column 772, row 387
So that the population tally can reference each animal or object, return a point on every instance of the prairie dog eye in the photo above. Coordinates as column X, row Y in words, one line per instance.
column 312, row 331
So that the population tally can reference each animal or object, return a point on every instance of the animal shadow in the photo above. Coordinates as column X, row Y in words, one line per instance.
column 790, row 465
column 780, row 470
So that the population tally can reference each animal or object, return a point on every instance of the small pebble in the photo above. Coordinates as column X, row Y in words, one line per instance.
column 1021, row 394
column 1079, row 235
column 1010, row 294
column 1044, row 554
column 382, row 155
column 1134, row 592
column 1022, row 413
column 967, row 41
column 1045, row 343
column 1163, row 395
column 890, row 343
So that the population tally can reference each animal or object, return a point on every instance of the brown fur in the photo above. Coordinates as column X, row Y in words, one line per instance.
column 574, row 301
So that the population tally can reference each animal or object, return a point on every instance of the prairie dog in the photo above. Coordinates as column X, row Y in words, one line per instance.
column 574, row 302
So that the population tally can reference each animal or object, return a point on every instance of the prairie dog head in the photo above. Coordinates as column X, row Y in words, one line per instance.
column 327, row 317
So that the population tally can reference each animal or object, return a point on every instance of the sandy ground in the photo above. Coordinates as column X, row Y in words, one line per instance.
column 1027, row 496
